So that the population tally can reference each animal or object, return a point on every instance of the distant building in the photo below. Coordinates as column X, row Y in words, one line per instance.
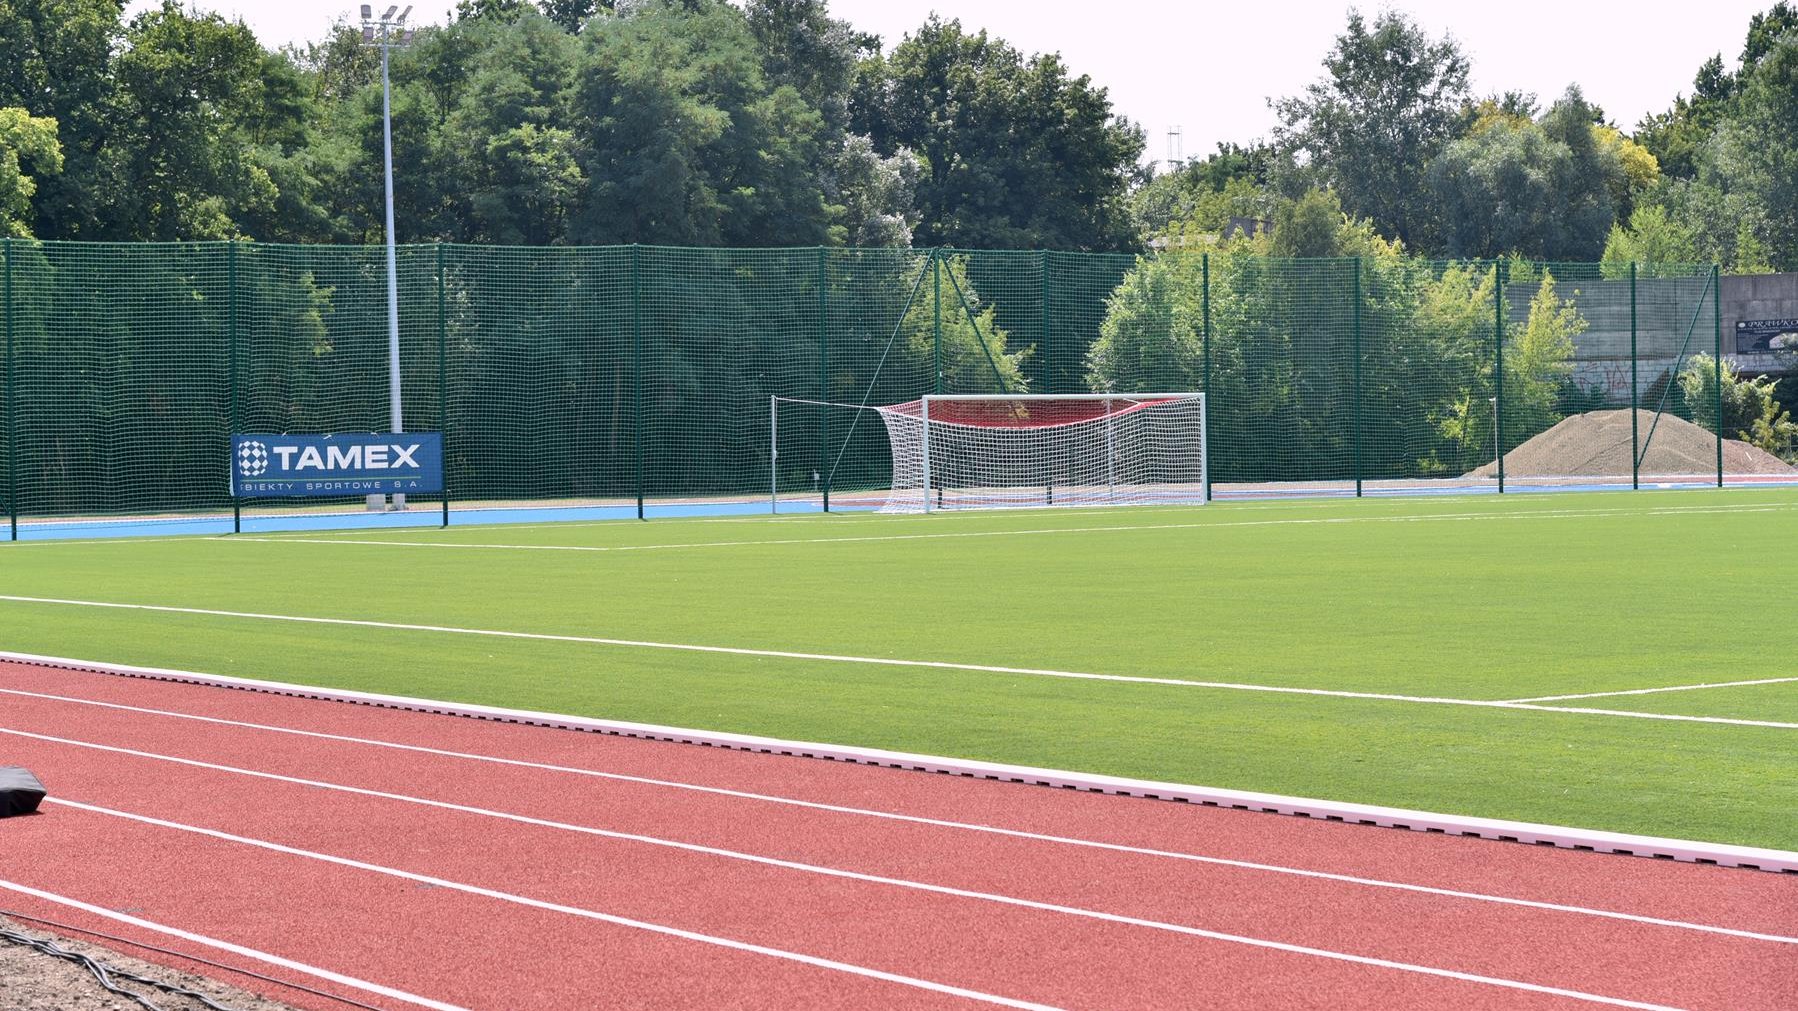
column 1248, row 228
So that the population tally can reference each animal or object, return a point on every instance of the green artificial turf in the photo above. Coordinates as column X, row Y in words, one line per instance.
column 1468, row 598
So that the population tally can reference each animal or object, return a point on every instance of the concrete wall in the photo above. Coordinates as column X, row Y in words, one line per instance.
column 1758, row 297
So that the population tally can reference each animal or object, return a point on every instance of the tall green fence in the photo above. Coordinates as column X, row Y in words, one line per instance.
column 641, row 376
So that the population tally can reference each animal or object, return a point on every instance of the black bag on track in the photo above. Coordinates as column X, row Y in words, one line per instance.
column 19, row 791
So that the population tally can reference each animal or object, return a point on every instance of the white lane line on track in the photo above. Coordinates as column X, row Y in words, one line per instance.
column 1255, row 942
column 588, row 914
column 235, row 949
column 1657, row 691
column 1035, row 531
column 894, row 662
column 945, row 823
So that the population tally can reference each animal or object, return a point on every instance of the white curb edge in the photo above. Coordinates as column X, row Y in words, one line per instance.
column 1753, row 858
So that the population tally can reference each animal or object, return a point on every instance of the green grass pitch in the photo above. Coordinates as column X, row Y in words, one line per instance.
column 1475, row 598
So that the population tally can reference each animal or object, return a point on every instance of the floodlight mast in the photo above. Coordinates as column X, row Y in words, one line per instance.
column 384, row 33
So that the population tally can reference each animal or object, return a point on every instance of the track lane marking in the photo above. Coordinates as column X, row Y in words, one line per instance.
column 590, row 914
column 235, row 949
column 1656, row 691
column 949, row 824
column 894, row 662
column 1214, row 935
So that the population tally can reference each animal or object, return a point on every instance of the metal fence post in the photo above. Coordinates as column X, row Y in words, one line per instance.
column 12, row 442
column 1635, row 445
column 1205, row 347
column 936, row 308
column 823, row 377
column 1498, row 369
column 1717, row 359
column 637, row 364
column 231, row 358
column 1357, row 413
column 1042, row 273
column 443, row 381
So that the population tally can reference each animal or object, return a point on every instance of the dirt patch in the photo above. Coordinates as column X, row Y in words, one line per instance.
column 1598, row 445
column 31, row 980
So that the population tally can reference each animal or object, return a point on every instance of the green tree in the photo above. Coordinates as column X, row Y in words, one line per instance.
column 684, row 141
column 971, row 347
column 1652, row 237
column 518, row 170
column 1751, row 410
column 1390, row 100
column 1539, row 360
column 1017, row 153
column 55, row 60
column 204, row 128
column 1755, row 151
column 1537, row 188
column 25, row 141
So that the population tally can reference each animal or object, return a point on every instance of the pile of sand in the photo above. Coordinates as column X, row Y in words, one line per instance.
column 1598, row 445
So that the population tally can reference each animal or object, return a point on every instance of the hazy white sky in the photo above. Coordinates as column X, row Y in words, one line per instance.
column 1209, row 67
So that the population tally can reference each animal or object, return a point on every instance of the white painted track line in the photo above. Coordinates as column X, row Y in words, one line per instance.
column 728, row 854
column 932, row 822
column 227, row 946
column 1368, row 814
column 1254, row 942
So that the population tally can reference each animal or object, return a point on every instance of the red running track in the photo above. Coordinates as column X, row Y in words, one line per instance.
column 411, row 860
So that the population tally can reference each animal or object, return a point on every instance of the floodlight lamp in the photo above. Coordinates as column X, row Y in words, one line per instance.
column 405, row 14
column 389, row 15
column 368, row 33
column 368, row 12
column 406, row 39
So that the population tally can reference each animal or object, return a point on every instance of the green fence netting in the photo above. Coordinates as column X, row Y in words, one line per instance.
column 641, row 377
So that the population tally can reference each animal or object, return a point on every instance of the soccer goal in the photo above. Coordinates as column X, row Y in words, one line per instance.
column 1012, row 451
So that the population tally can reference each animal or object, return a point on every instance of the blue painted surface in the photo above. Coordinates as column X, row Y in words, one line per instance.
column 422, row 514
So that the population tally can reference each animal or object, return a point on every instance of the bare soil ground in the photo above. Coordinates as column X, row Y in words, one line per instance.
column 1598, row 444
column 33, row 981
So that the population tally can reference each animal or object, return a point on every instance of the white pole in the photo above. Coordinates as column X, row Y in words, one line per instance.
column 773, row 455
column 924, row 404
column 1111, row 477
column 1205, row 446
column 393, row 284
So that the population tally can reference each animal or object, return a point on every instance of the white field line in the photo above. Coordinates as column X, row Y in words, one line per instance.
column 890, row 661
column 588, row 914
column 1214, row 935
column 357, row 536
column 235, row 949
column 937, row 822
column 1656, row 691
column 1028, row 532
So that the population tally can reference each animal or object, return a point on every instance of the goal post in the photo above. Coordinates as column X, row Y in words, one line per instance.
column 997, row 451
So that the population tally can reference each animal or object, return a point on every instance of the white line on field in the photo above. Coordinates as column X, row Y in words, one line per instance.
column 1656, row 691
column 357, row 536
column 887, row 661
column 932, row 822
column 941, row 535
column 235, row 949
column 1214, row 935
column 588, row 914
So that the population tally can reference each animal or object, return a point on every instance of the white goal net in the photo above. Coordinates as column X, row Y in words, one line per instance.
column 998, row 452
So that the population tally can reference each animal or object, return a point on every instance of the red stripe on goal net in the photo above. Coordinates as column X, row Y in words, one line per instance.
column 1022, row 413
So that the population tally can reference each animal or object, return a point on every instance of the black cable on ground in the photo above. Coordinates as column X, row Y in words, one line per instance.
column 106, row 974
column 301, row 987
